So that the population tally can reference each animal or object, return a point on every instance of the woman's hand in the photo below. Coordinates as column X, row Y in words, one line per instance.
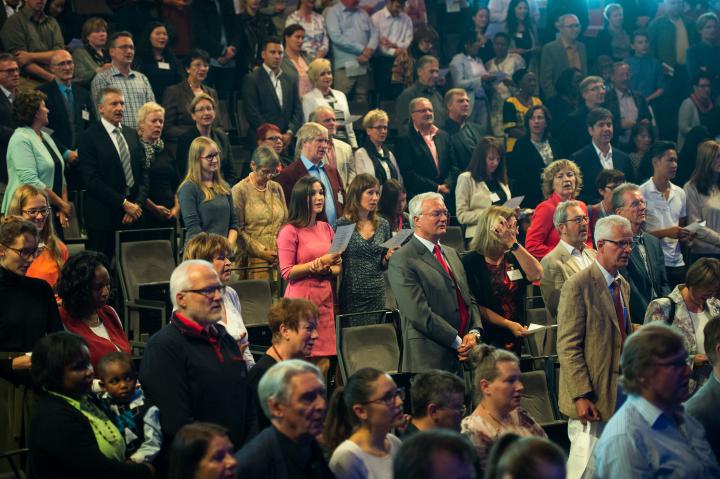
column 517, row 329
column 389, row 254
column 506, row 230
column 270, row 256
column 700, row 360
column 331, row 259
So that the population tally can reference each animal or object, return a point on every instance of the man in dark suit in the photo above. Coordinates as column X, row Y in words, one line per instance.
column 312, row 143
column 464, row 135
column 271, row 97
column 633, row 108
column 573, row 134
column 424, row 154
column 113, row 173
column 646, row 269
column 440, row 319
column 599, row 154
column 71, row 112
column 9, row 81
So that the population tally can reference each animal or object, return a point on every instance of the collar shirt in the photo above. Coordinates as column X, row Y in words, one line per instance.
column 318, row 171
column 663, row 213
column 605, row 160
column 581, row 258
column 397, row 30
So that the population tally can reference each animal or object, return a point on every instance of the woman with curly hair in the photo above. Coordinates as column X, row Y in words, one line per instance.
column 84, row 289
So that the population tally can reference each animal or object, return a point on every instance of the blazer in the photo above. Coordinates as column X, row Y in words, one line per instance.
column 525, row 167
column 417, row 165
column 703, row 407
column 553, row 61
column 7, row 127
column 66, row 127
column 588, row 161
column 261, row 104
column 315, row 99
column 613, row 104
column 471, row 199
column 205, row 20
column 296, row 170
column 219, row 136
column 344, row 161
column 589, row 342
column 558, row 265
column 176, row 101
column 429, row 314
column 661, row 34
column 642, row 281
column 104, row 179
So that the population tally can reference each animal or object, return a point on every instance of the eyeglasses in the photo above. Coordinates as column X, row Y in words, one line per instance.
column 23, row 253
column 578, row 220
column 423, row 110
column 572, row 25
column 380, row 127
column 268, row 172
column 208, row 292
column 125, row 47
column 677, row 364
column 37, row 211
column 624, row 244
column 204, row 108
column 437, row 213
column 211, row 156
column 274, row 138
column 462, row 409
column 389, row 398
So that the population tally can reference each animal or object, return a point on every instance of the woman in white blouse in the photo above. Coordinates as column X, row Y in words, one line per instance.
column 320, row 74
column 374, row 158
column 484, row 184
column 703, row 201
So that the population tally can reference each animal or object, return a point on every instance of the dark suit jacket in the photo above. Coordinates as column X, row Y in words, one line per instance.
column 7, row 127
column 104, row 178
column 573, row 132
column 525, row 165
column 612, row 104
column 176, row 101
column 66, row 128
column 589, row 163
column 703, row 407
column 261, row 104
column 227, row 161
column 296, row 170
column 642, row 281
column 417, row 165
column 428, row 306
column 205, row 21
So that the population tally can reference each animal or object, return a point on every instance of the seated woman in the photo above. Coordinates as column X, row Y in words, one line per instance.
column 202, row 450
column 216, row 250
column 205, row 199
column 92, row 57
column 358, row 424
column 260, row 211
column 393, row 202
column 498, row 387
column 374, row 157
column 32, row 205
column 484, row 184
column 70, row 436
column 689, row 307
column 155, row 58
column 84, row 289
column 499, row 270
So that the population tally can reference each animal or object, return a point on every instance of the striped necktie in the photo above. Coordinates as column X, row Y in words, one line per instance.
column 124, row 158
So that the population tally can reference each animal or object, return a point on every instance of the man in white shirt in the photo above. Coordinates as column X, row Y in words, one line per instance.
column 666, row 210
column 396, row 33
column 570, row 256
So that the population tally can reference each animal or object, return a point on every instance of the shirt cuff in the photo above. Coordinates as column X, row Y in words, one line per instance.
column 456, row 344
column 66, row 153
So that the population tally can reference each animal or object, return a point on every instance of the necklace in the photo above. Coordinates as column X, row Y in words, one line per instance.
column 254, row 185
column 277, row 353
column 93, row 322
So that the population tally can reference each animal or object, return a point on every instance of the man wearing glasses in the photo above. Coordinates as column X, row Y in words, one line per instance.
column 593, row 322
column 561, row 54
column 9, row 81
column 192, row 369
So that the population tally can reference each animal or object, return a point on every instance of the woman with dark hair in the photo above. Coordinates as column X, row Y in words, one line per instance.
column 92, row 57
column 316, row 43
column 642, row 138
column 29, row 312
column 704, row 56
column 703, row 201
column 425, row 39
column 468, row 72
column 358, row 424
column 177, row 98
column 305, row 263
column 393, row 202
column 202, row 450
column 70, row 436
column 156, row 60
column 84, row 289
column 295, row 61
column 613, row 40
column 687, row 155
column 362, row 287
column 522, row 31
column 530, row 457
column 484, row 184
column 568, row 94
column 517, row 105
column 605, row 182
column 480, row 17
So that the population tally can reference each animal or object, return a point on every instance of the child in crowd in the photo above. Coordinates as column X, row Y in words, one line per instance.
column 124, row 403
column 646, row 72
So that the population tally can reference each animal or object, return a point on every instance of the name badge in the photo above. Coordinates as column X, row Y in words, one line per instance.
column 340, row 198
column 163, row 65
column 514, row 274
column 85, row 115
column 494, row 197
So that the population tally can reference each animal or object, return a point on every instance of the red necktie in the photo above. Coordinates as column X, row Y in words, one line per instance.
column 464, row 314
column 619, row 309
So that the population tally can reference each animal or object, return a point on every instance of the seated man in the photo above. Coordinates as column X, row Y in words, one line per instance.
column 650, row 435
column 436, row 454
column 438, row 402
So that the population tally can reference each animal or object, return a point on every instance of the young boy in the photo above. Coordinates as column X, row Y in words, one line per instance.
column 124, row 403
column 646, row 72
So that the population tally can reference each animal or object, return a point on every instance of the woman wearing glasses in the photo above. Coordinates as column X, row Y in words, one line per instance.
column 270, row 135
column 260, row 210
column 374, row 157
column 29, row 312
column 205, row 198
column 358, row 424
column 32, row 205
column 84, row 289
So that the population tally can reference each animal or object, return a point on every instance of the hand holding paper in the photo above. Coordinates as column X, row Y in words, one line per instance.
column 514, row 202
column 397, row 240
column 341, row 239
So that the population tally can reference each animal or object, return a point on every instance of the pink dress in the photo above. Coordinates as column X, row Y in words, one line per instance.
column 302, row 245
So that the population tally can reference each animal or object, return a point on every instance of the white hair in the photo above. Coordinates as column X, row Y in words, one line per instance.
column 604, row 226
column 415, row 205
column 275, row 383
column 180, row 277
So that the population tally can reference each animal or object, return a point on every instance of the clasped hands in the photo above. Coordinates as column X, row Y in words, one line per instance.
column 467, row 345
column 323, row 264
column 133, row 212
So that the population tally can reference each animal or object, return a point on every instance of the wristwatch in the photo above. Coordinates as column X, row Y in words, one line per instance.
column 515, row 246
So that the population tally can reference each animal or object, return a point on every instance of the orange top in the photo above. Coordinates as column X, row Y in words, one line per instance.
column 45, row 267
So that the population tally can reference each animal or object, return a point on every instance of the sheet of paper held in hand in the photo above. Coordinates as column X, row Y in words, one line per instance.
column 513, row 203
column 342, row 238
column 397, row 240
column 536, row 328
column 694, row 227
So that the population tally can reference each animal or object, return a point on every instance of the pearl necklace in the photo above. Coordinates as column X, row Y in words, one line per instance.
column 252, row 182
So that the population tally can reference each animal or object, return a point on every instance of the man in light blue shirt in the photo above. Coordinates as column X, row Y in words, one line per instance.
column 354, row 39
column 650, row 435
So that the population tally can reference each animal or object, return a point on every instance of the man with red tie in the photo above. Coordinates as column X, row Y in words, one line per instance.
column 593, row 321
column 440, row 319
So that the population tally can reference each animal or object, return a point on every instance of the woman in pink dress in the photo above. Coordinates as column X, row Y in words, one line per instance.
column 305, row 263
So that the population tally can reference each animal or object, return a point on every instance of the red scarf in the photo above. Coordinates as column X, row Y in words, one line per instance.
column 703, row 106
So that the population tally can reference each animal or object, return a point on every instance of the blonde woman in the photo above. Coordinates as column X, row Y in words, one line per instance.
column 32, row 205
column 320, row 74
column 205, row 199
column 374, row 157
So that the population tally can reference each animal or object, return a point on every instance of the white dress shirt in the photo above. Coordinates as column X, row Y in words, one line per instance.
column 581, row 258
column 275, row 80
column 606, row 160
column 398, row 30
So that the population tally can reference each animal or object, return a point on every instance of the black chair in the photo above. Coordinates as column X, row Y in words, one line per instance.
column 11, row 457
column 255, row 299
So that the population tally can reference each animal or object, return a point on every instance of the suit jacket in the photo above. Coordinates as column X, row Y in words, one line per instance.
column 613, row 104
column 227, row 161
column 588, row 161
column 589, row 342
column 428, row 307
column 417, row 165
column 66, row 127
column 553, row 61
column 176, row 101
column 703, row 407
column 205, row 21
column 296, row 170
column 7, row 127
column 261, row 103
column 104, row 179
column 525, row 165
column 642, row 281
column 558, row 265
column 344, row 161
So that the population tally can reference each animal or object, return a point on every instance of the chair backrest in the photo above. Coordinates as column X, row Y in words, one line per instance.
column 536, row 397
column 73, row 232
column 454, row 238
column 371, row 346
column 255, row 299
column 143, row 262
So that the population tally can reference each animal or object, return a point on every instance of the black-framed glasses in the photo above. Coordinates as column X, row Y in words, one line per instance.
column 208, row 292
column 23, row 253
column 379, row 127
column 124, row 47
column 625, row 244
column 578, row 220
column 211, row 156
column 389, row 398
column 33, row 212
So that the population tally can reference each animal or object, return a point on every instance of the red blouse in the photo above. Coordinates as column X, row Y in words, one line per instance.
column 99, row 346
column 542, row 236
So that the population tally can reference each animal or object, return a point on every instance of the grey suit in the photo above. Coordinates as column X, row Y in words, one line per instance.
column 552, row 63
column 703, row 407
column 643, row 280
column 558, row 265
column 428, row 306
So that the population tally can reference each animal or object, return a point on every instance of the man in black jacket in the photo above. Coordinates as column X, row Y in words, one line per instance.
column 9, row 81
column 628, row 108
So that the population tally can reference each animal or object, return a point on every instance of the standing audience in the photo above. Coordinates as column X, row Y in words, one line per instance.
column 374, row 157
column 702, row 195
column 92, row 57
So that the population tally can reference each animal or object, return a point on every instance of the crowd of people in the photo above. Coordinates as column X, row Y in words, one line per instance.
column 582, row 160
